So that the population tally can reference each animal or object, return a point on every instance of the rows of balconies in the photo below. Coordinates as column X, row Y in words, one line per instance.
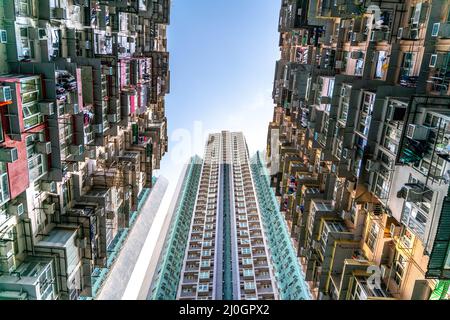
column 74, row 99
column 350, row 136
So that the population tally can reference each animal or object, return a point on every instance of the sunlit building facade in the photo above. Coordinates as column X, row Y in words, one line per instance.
column 358, row 146
column 83, row 127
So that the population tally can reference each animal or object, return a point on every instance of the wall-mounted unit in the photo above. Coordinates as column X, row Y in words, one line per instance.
column 72, row 108
column 5, row 94
column 372, row 165
column 417, row 132
column 9, row 154
column 43, row 147
column 112, row 118
column 47, row 108
column 72, row 167
column 411, row 193
column 59, row 13
column 98, row 128
column 16, row 208
column 357, row 55
column 76, row 150
column 7, row 258
column 375, row 208
column 48, row 186
column 106, row 70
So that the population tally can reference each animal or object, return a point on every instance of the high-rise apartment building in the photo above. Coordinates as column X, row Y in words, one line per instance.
column 82, row 128
column 358, row 147
column 227, row 240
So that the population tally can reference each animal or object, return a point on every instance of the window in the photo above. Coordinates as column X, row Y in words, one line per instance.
column 23, row 8
column 372, row 235
column 203, row 288
column 400, row 264
column 249, row 285
column 204, row 275
column 4, row 184
column 206, row 263
column 248, row 272
column 246, row 261
column 206, row 253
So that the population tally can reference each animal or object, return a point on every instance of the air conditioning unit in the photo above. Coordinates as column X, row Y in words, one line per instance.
column 72, row 166
column 47, row 108
column 107, row 70
column 9, row 154
column 357, row 55
column 372, row 165
column 375, row 208
column 72, row 108
column 394, row 230
column 112, row 118
column 43, row 147
column 5, row 94
column 48, row 186
column 357, row 37
column 49, row 208
column 16, row 209
column 8, row 265
column 3, row 36
column 6, row 249
column 347, row 153
column 59, row 13
column 81, row 243
column 417, row 132
column 77, row 150
column 377, row 35
column 414, row 194
column 98, row 128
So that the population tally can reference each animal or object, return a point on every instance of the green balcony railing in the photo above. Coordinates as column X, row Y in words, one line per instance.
column 289, row 276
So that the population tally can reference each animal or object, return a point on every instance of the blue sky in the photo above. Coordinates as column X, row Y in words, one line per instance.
column 222, row 60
